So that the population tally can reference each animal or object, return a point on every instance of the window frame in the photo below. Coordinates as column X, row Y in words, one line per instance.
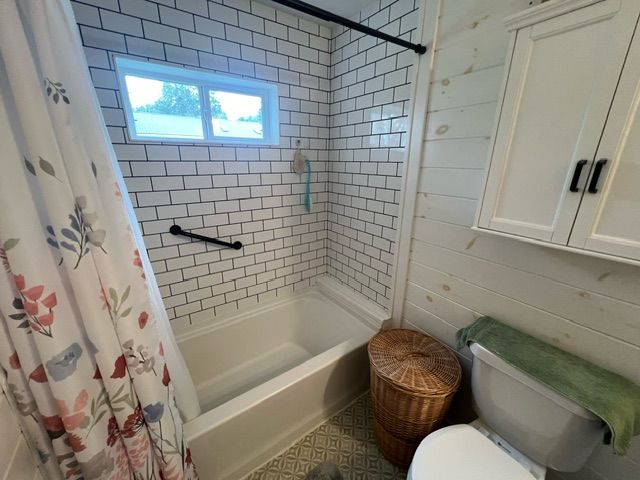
column 205, row 81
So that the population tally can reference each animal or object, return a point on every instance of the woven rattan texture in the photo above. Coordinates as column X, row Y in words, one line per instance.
column 414, row 362
column 413, row 380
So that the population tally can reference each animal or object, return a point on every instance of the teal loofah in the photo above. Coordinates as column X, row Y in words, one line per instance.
column 307, row 187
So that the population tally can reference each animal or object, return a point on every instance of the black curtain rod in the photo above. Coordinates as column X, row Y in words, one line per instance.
column 332, row 17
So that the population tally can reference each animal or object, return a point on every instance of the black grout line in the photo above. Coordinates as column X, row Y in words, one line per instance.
column 351, row 240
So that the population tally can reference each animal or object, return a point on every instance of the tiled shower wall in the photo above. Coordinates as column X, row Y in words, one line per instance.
column 242, row 193
column 355, row 84
column 370, row 89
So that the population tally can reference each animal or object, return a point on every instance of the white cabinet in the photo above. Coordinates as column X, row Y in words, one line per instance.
column 609, row 216
column 565, row 159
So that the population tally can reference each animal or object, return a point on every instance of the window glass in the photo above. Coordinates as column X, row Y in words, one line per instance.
column 164, row 109
column 236, row 115
column 166, row 103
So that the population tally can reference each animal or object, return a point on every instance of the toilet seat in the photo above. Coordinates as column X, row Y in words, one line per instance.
column 460, row 452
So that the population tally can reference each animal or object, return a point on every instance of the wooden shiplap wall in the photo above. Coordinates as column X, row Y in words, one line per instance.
column 588, row 306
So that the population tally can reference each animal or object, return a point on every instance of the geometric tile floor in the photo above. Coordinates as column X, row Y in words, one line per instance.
column 345, row 439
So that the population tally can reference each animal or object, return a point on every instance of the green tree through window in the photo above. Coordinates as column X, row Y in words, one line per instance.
column 180, row 99
column 253, row 118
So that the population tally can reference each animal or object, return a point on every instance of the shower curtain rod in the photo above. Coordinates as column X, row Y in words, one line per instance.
column 332, row 17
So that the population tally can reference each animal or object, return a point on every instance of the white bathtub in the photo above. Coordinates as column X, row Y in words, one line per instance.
column 266, row 377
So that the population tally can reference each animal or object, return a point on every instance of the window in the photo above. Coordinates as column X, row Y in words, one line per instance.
column 171, row 104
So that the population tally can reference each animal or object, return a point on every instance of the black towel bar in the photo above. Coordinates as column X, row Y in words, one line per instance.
column 177, row 230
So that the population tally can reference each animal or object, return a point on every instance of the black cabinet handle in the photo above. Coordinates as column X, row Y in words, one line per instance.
column 593, row 184
column 576, row 176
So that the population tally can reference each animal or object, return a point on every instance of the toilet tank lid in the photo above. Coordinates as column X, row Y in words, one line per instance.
column 498, row 363
column 461, row 451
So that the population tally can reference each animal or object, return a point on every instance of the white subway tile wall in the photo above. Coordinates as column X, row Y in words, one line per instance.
column 370, row 89
column 341, row 97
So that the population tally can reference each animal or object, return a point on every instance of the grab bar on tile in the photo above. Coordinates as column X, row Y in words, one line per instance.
column 177, row 230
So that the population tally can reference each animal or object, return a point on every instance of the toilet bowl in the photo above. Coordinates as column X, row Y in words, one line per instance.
column 523, row 428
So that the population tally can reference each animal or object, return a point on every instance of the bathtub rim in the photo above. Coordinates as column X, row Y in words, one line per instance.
column 236, row 406
column 357, row 304
column 369, row 316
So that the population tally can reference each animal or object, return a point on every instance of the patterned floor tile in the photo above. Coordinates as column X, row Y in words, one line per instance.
column 346, row 439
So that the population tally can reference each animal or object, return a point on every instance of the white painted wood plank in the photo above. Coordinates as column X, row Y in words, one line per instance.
column 601, row 349
column 613, row 279
column 459, row 211
column 462, row 20
column 468, row 89
column 456, row 182
column 427, row 33
column 462, row 122
column 487, row 50
column 482, row 44
column 457, row 315
column 600, row 313
column 430, row 324
column 612, row 466
column 431, row 289
column 456, row 153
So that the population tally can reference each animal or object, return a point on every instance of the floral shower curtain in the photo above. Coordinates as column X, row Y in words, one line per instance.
column 79, row 341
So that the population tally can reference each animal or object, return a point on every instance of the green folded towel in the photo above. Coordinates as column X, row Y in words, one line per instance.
column 611, row 397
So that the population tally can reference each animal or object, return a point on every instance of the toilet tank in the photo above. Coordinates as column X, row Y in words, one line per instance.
column 547, row 427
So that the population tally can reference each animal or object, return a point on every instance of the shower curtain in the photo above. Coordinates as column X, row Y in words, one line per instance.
column 84, row 339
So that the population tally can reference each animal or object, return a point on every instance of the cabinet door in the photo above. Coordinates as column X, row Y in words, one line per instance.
column 609, row 216
column 560, row 85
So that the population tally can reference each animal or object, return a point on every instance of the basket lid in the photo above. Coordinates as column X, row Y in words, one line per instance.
column 415, row 362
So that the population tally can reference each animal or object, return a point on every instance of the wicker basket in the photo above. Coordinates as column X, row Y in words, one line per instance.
column 396, row 450
column 413, row 380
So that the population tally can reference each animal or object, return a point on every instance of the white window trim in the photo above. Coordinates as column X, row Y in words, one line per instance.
column 205, row 82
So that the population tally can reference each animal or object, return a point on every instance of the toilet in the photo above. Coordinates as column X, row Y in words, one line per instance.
column 523, row 428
